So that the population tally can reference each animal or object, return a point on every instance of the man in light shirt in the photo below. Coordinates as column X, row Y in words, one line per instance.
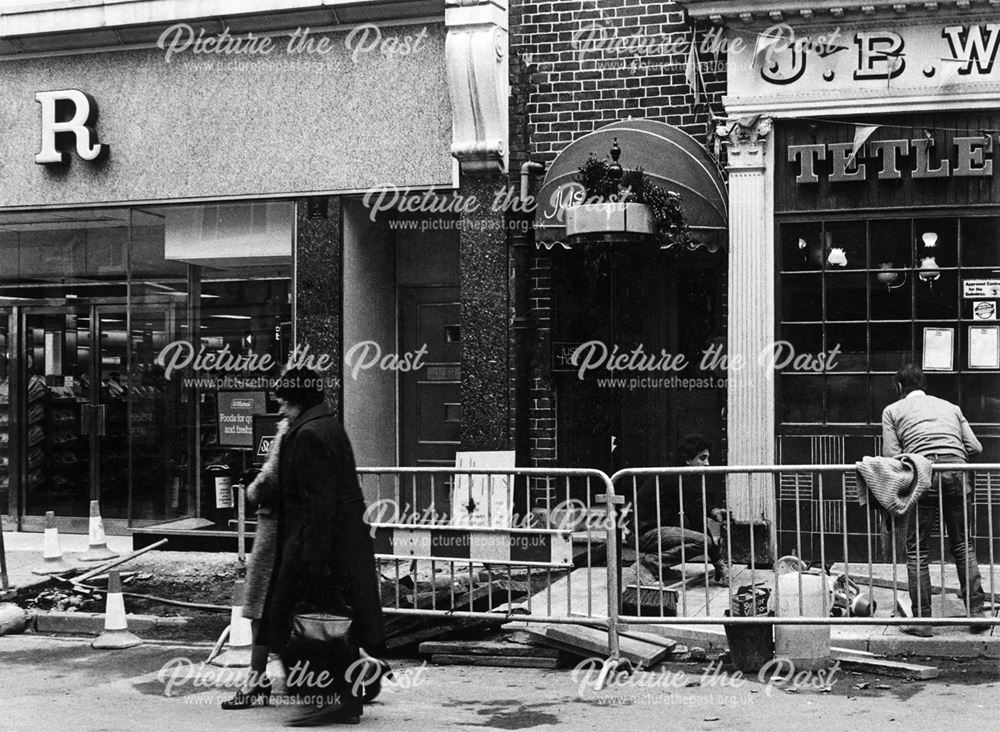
column 935, row 428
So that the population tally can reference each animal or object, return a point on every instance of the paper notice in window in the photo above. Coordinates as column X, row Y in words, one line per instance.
column 938, row 349
column 984, row 347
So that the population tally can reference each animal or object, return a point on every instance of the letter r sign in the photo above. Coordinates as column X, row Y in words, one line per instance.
column 65, row 114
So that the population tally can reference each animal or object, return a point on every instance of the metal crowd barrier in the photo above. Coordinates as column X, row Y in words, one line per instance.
column 518, row 544
column 819, row 521
column 574, row 546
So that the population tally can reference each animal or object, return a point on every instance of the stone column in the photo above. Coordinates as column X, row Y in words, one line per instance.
column 479, row 88
column 751, row 397
column 319, row 305
column 486, row 316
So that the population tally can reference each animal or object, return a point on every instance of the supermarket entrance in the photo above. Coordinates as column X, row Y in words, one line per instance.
column 88, row 300
column 86, row 409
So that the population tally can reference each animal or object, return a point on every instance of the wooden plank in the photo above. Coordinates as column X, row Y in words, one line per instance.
column 651, row 638
column 901, row 586
column 486, row 648
column 405, row 638
column 864, row 662
column 591, row 641
column 445, row 659
column 521, row 637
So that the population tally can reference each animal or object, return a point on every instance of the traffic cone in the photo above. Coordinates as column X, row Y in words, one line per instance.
column 51, row 553
column 116, row 634
column 97, row 550
column 240, row 633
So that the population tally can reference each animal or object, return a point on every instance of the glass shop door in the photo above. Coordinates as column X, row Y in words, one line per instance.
column 57, row 413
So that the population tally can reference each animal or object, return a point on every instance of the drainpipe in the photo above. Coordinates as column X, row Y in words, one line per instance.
column 527, row 169
column 523, row 323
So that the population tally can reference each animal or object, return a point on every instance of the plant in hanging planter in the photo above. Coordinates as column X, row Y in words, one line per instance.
column 605, row 182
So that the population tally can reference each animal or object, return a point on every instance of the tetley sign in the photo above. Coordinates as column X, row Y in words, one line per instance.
column 892, row 159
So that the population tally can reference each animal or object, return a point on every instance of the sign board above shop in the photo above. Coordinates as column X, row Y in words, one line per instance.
column 908, row 160
column 807, row 66
column 209, row 126
column 848, row 160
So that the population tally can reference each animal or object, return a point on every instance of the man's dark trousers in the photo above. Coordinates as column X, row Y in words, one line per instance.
column 956, row 510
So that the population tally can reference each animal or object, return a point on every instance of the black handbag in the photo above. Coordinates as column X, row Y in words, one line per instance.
column 322, row 635
column 320, row 651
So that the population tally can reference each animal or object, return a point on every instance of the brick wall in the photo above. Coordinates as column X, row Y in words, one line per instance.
column 577, row 65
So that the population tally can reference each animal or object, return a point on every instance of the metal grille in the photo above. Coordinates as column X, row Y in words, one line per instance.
column 986, row 483
column 827, row 449
column 792, row 486
column 832, row 514
column 852, row 486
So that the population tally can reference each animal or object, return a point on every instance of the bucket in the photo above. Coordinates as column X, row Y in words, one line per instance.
column 806, row 646
column 750, row 646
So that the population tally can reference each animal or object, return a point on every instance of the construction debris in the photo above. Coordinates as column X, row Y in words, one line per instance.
column 407, row 630
column 869, row 662
column 643, row 593
column 653, row 638
column 490, row 653
column 487, row 648
column 12, row 619
column 583, row 641
column 500, row 591
column 509, row 661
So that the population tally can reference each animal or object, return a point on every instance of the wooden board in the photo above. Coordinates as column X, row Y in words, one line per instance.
column 445, row 659
column 405, row 637
column 486, row 648
column 866, row 662
column 652, row 638
column 901, row 585
column 594, row 642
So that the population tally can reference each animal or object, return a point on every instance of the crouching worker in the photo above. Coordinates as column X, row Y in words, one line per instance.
column 679, row 531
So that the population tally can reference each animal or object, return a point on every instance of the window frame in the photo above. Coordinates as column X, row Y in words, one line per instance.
column 821, row 221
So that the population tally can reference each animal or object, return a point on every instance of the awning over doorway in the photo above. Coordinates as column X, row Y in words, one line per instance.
column 672, row 158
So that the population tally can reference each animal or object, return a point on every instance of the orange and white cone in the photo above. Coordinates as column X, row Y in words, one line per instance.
column 237, row 654
column 53, row 562
column 116, row 634
column 98, row 544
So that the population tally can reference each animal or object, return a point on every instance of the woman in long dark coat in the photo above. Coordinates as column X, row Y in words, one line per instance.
column 323, row 548
column 262, row 492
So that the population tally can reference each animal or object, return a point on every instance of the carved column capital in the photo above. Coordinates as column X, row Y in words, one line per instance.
column 477, row 55
column 746, row 139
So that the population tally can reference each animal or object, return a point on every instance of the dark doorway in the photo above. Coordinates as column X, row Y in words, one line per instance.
column 430, row 400
column 668, row 303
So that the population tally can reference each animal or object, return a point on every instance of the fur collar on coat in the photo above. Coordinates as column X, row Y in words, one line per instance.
column 263, row 490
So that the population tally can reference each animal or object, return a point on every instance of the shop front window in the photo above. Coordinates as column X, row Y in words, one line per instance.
column 89, row 304
column 880, row 292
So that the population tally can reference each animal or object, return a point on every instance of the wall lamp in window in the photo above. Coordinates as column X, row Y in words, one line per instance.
column 929, row 271
column 837, row 257
column 890, row 278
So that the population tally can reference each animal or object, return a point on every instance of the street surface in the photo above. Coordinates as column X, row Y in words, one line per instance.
column 62, row 684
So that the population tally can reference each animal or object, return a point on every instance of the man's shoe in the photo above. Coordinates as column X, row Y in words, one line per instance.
column 920, row 631
column 336, row 713
column 977, row 628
